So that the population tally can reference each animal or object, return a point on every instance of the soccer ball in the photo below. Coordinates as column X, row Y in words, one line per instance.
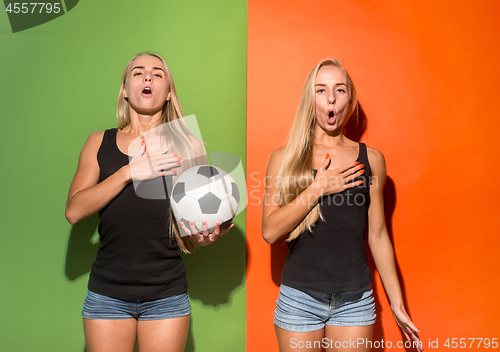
column 204, row 193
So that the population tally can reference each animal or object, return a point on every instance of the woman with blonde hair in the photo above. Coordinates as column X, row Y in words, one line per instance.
column 323, row 190
column 137, row 289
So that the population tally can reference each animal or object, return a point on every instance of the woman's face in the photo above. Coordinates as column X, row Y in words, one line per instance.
column 148, row 86
column 332, row 97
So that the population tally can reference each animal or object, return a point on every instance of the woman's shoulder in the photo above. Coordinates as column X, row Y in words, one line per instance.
column 197, row 145
column 278, row 152
column 277, row 155
column 94, row 141
column 374, row 154
column 376, row 159
column 96, row 137
column 275, row 159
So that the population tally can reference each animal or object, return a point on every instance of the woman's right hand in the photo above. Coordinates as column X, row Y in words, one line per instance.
column 279, row 220
column 339, row 179
column 143, row 166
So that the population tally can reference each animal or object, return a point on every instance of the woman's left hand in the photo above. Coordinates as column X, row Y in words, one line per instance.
column 205, row 237
column 406, row 325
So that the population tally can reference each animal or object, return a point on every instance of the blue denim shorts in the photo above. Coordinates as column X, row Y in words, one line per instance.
column 97, row 306
column 304, row 311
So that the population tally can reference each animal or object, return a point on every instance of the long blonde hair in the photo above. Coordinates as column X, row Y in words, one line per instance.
column 296, row 170
column 176, row 134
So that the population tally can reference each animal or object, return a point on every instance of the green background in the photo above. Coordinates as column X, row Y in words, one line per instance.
column 60, row 82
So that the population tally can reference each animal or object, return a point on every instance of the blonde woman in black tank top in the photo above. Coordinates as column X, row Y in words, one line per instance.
column 138, row 264
column 322, row 190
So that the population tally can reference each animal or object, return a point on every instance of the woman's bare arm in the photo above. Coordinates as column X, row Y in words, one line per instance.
column 86, row 196
column 278, row 221
column 381, row 246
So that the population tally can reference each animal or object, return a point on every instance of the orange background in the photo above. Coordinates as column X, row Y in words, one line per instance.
column 427, row 75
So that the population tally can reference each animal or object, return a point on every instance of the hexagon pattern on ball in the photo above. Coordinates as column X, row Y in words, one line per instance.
column 204, row 193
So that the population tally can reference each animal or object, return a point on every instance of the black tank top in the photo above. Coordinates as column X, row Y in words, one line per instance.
column 332, row 258
column 137, row 259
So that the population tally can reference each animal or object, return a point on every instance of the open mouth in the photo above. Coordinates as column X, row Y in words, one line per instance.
column 331, row 117
column 147, row 91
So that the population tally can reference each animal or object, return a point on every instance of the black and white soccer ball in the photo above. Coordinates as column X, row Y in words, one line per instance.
column 204, row 193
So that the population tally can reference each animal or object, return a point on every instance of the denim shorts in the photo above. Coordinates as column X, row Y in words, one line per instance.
column 304, row 311
column 97, row 306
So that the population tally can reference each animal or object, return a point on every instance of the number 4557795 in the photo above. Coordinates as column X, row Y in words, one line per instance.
column 25, row 7
column 470, row 342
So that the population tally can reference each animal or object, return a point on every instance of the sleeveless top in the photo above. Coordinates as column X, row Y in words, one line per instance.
column 332, row 258
column 137, row 258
